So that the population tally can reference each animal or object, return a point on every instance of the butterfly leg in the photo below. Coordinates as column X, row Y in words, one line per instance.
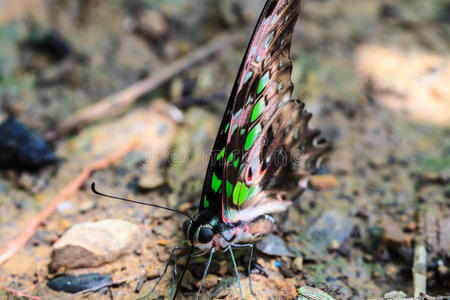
column 205, row 272
column 164, row 272
column 249, row 263
column 235, row 268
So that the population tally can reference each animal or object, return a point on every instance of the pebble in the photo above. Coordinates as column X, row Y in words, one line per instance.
column 332, row 229
column 74, row 284
column 152, row 23
column 274, row 245
column 223, row 267
column 23, row 148
column 323, row 182
column 87, row 205
column 151, row 180
column 394, row 295
column 93, row 244
column 313, row 293
column 163, row 242
column 392, row 231
column 211, row 281
column 334, row 245
column 297, row 264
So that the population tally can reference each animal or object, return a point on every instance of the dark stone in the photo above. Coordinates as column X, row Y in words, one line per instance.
column 21, row 148
column 74, row 284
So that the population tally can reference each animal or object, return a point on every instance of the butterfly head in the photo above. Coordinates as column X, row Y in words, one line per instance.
column 199, row 234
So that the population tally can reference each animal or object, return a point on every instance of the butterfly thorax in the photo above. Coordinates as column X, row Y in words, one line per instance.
column 206, row 231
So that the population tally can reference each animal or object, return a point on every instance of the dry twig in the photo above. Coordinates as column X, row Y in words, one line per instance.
column 21, row 293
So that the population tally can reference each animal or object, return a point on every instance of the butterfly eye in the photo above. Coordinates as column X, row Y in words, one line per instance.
column 186, row 226
column 205, row 235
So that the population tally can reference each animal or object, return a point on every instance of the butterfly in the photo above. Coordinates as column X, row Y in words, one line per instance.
column 264, row 152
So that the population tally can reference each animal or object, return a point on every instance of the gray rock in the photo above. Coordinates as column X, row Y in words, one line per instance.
column 274, row 245
column 332, row 228
column 93, row 244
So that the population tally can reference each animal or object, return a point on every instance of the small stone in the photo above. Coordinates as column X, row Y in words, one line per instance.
column 391, row 269
column 290, row 292
column 211, row 281
column 323, row 182
column 261, row 262
column 313, row 293
column 93, row 244
column 333, row 225
column 152, row 24
column 223, row 267
column 297, row 264
column 280, row 284
column 74, row 284
column 87, row 205
column 274, row 245
column 163, row 242
column 393, row 234
column 152, row 272
column 334, row 245
column 411, row 226
column 163, row 256
column 65, row 224
column 185, row 206
column 150, row 180
column 394, row 295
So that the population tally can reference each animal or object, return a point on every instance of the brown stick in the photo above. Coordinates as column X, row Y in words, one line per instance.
column 113, row 104
column 19, row 242
column 20, row 293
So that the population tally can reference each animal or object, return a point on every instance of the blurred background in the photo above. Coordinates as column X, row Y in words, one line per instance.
column 375, row 75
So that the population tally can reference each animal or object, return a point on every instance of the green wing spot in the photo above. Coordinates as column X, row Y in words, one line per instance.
column 252, row 136
column 263, row 82
column 229, row 189
column 269, row 40
column 233, row 129
column 216, row 182
column 248, row 76
column 240, row 168
column 243, row 194
column 221, row 154
column 253, row 191
column 230, row 157
column 258, row 109
column 236, row 191
column 242, row 131
column 236, row 162
column 226, row 127
column 205, row 202
column 258, row 58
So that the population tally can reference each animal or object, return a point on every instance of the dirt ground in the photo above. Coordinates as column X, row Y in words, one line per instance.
column 375, row 75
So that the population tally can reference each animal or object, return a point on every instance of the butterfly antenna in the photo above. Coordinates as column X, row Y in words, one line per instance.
column 138, row 202
column 183, row 272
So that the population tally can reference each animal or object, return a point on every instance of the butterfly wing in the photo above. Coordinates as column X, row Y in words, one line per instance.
column 270, row 151
column 276, row 17
column 264, row 151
